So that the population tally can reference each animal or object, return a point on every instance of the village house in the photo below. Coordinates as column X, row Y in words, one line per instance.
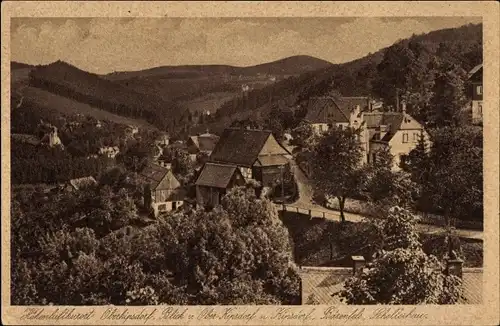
column 325, row 111
column 131, row 130
column 162, row 140
column 52, row 139
column 109, row 151
column 475, row 79
column 323, row 285
column 396, row 131
column 214, row 181
column 204, row 143
column 256, row 153
column 80, row 183
column 162, row 191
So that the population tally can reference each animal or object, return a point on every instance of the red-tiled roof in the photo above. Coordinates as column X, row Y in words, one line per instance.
column 216, row 175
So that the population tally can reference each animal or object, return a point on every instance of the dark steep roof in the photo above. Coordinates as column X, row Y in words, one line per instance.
column 216, row 175
column 239, row 146
column 347, row 104
column 154, row 174
column 325, row 109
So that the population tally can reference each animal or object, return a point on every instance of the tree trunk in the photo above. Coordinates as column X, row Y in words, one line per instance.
column 341, row 208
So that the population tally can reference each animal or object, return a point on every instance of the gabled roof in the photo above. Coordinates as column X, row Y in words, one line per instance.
column 327, row 282
column 216, row 175
column 82, row 182
column 239, row 146
column 325, row 109
column 476, row 73
column 207, row 142
column 349, row 103
column 324, row 283
column 194, row 140
column 272, row 160
column 393, row 120
column 472, row 286
column 157, row 175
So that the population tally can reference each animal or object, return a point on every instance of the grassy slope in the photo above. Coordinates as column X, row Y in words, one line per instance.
column 311, row 243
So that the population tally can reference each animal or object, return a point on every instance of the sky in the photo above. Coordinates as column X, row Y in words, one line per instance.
column 104, row 45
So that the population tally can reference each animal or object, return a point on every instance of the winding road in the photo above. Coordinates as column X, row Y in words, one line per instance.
column 305, row 203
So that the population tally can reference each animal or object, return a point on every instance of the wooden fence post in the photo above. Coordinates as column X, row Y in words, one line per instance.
column 323, row 214
column 310, row 214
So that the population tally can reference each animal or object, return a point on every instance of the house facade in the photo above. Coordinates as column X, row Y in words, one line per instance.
column 162, row 191
column 326, row 111
column 256, row 153
column 396, row 131
column 475, row 78
column 204, row 143
column 214, row 181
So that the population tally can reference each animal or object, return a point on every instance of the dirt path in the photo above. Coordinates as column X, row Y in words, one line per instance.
column 305, row 203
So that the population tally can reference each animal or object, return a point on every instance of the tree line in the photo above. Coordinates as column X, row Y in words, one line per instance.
column 84, row 248
column 65, row 80
column 40, row 164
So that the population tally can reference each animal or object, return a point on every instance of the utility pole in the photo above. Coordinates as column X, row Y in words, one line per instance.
column 282, row 184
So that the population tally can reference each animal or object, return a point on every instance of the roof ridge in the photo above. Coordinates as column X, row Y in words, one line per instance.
column 245, row 129
column 222, row 164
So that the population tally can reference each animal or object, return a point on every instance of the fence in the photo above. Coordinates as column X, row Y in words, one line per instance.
column 310, row 212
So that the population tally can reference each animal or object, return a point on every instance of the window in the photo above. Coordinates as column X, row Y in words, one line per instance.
column 479, row 90
column 415, row 137
column 480, row 107
column 162, row 207
column 402, row 159
column 405, row 138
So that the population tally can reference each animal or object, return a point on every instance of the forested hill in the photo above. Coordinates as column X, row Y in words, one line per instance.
column 406, row 65
column 68, row 81
column 294, row 65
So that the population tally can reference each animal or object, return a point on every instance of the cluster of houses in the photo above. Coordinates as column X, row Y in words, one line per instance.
column 232, row 159
column 396, row 131
column 240, row 155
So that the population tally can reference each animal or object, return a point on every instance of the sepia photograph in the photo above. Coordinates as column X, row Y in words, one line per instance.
column 246, row 161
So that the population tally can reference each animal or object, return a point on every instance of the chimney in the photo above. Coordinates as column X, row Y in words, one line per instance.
column 454, row 267
column 358, row 264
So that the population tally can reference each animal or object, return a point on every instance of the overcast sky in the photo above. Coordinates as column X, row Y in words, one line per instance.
column 103, row 45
